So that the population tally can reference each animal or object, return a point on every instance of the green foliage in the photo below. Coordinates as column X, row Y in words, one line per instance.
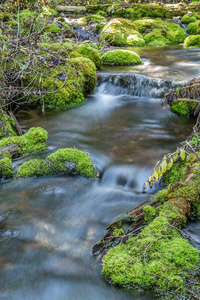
column 122, row 32
column 194, row 28
column 192, row 41
column 56, row 163
column 118, row 232
column 188, row 19
column 176, row 172
column 47, row 11
column 33, row 141
column 121, row 57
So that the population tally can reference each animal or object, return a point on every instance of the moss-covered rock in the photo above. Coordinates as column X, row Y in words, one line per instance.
column 91, row 18
column 33, row 141
column 194, row 28
column 47, row 11
column 86, row 51
column 71, row 83
column 192, row 41
column 188, row 19
column 121, row 57
column 122, row 32
column 7, row 125
column 161, row 31
column 63, row 161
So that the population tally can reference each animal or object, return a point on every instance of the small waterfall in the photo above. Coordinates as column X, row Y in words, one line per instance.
column 134, row 84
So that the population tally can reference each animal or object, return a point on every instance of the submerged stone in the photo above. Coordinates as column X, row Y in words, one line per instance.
column 121, row 57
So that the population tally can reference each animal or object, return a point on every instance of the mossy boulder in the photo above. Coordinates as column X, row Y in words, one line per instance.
column 122, row 32
column 63, row 161
column 68, row 85
column 33, row 141
column 121, row 57
column 7, row 125
column 188, row 19
column 91, row 18
column 192, row 41
column 161, row 31
column 194, row 28
column 89, row 52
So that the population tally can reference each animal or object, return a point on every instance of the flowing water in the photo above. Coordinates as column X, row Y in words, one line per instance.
column 49, row 225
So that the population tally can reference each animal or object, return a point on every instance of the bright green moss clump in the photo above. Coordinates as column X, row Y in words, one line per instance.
column 184, row 108
column 161, row 31
column 33, row 141
column 88, row 52
column 52, row 28
column 192, row 41
column 122, row 32
column 194, row 28
column 59, row 163
column 188, row 19
column 121, row 57
column 158, row 256
column 6, row 170
column 72, row 82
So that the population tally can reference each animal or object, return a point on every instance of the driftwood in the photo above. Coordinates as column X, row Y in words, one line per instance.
column 72, row 9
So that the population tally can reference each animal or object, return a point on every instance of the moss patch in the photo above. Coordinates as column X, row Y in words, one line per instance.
column 57, row 163
column 188, row 19
column 194, row 28
column 33, row 141
column 8, row 127
column 122, row 32
column 192, row 41
column 6, row 170
column 184, row 108
column 121, row 57
column 161, row 31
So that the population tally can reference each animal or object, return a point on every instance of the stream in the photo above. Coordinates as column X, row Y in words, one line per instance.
column 49, row 225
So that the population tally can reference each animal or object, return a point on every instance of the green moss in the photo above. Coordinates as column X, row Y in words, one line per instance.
column 81, row 79
column 194, row 28
column 83, row 163
column 192, row 41
column 26, row 14
column 121, row 57
column 150, row 213
column 33, row 141
column 34, row 167
column 156, row 38
column 158, row 256
column 8, row 127
column 118, row 232
column 164, row 31
column 122, row 32
column 52, row 28
column 184, row 108
column 59, row 47
column 188, row 19
column 66, row 26
column 6, row 170
column 86, row 51
column 175, row 173
column 57, row 164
